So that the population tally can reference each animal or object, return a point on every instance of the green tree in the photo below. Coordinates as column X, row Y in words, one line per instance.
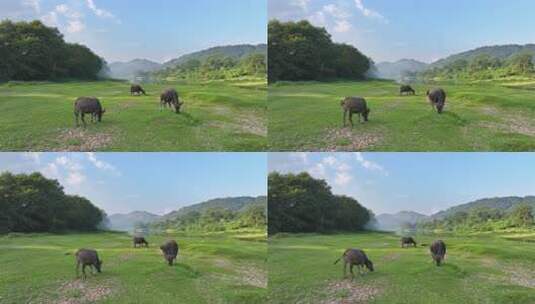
column 522, row 215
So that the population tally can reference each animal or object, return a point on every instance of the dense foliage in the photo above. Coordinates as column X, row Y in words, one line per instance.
column 300, row 203
column 216, row 219
column 217, row 67
column 33, row 51
column 33, row 203
column 483, row 66
column 300, row 51
column 483, row 219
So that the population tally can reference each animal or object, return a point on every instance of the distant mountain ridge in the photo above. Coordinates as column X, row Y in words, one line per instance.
column 238, row 51
column 126, row 222
column 395, row 70
column 393, row 222
column 127, row 70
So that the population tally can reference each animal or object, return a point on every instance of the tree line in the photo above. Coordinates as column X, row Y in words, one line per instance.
column 216, row 219
column 484, row 66
column 483, row 219
column 301, row 51
column 301, row 203
column 217, row 67
column 33, row 203
column 33, row 51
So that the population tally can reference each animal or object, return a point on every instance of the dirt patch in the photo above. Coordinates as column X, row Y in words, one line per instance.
column 350, row 292
column 346, row 140
column 253, row 125
column 82, row 140
column 509, row 122
column 78, row 291
column 127, row 104
column 245, row 274
column 254, row 276
column 521, row 276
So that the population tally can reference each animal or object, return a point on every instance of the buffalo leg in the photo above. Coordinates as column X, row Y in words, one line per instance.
column 344, row 118
column 77, row 269
column 83, row 120
column 83, row 271
column 351, row 119
column 76, row 119
column 345, row 269
column 351, row 270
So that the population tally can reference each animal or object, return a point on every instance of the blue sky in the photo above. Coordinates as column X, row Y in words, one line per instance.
column 388, row 30
column 157, row 29
column 422, row 182
column 154, row 182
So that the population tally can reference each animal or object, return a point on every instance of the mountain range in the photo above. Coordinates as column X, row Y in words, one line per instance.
column 395, row 70
column 127, row 70
column 126, row 222
column 392, row 222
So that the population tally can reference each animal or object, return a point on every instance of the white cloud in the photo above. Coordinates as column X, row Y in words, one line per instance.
column 368, row 12
column 303, row 4
column 33, row 156
column 369, row 165
column 342, row 26
column 75, row 26
column 75, row 178
column 101, row 164
column 343, row 178
column 333, row 16
column 101, row 12
column 34, row 4
column 50, row 19
column 65, row 17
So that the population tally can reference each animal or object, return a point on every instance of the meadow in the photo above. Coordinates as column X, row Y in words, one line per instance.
column 479, row 116
column 211, row 268
column 479, row 268
column 217, row 116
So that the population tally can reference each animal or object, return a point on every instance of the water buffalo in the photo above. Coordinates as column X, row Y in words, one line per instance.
column 407, row 241
column 169, row 251
column 355, row 257
column 354, row 105
column 88, row 105
column 170, row 98
column 437, row 99
column 438, row 250
column 87, row 257
column 407, row 89
column 139, row 240
column 136, row 89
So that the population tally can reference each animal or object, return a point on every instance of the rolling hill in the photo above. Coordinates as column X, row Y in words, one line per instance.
column 506, row 204
column 235, row 51
column 498, row 51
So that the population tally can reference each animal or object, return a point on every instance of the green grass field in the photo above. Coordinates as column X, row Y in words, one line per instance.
column 483, row 268
column 485, row 116
column 217, row 116
column 211, row 268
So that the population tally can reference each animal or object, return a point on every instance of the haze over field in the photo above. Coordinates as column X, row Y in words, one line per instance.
column 420, row 182
column 155, row 182
column 156, row 30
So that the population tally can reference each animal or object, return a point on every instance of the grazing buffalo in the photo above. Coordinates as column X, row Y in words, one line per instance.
column 406, row 89
column 438, row 251
column 170, row 98
column 88, row 105
column 87, row 257
column 407, row 241
column 136, row 89
column 355, row 257
column 139, row 240
column 437, row 99
column 169, row 251
column 354, row 105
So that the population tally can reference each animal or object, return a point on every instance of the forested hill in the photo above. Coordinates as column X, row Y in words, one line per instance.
column 506, row 204
column 502, row 52
column 236, row 204
column 236, row 52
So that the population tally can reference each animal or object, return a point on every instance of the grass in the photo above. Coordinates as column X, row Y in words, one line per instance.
column 211, row 268
column 483, row 116
column 482, row 268
column 217, row 116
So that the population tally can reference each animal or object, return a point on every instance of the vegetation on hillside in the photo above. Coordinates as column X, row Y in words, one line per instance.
column 301, row 203
column 483, row 66
column 300, row 51
column 214, row 219
column 33, row 51
column 482, row 219
column 33, row 203
column 215, row 67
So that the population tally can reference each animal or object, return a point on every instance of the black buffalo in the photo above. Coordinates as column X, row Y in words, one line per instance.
column 139, row 240
column 406, row 89
column 438, row 251
column 136, row 89
column 169, row 251
column 407, row 241
column 170, row 98
column 88, row 105
column 354, row 105
column 87, row 257
column 355, row 257
column 437, row 99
